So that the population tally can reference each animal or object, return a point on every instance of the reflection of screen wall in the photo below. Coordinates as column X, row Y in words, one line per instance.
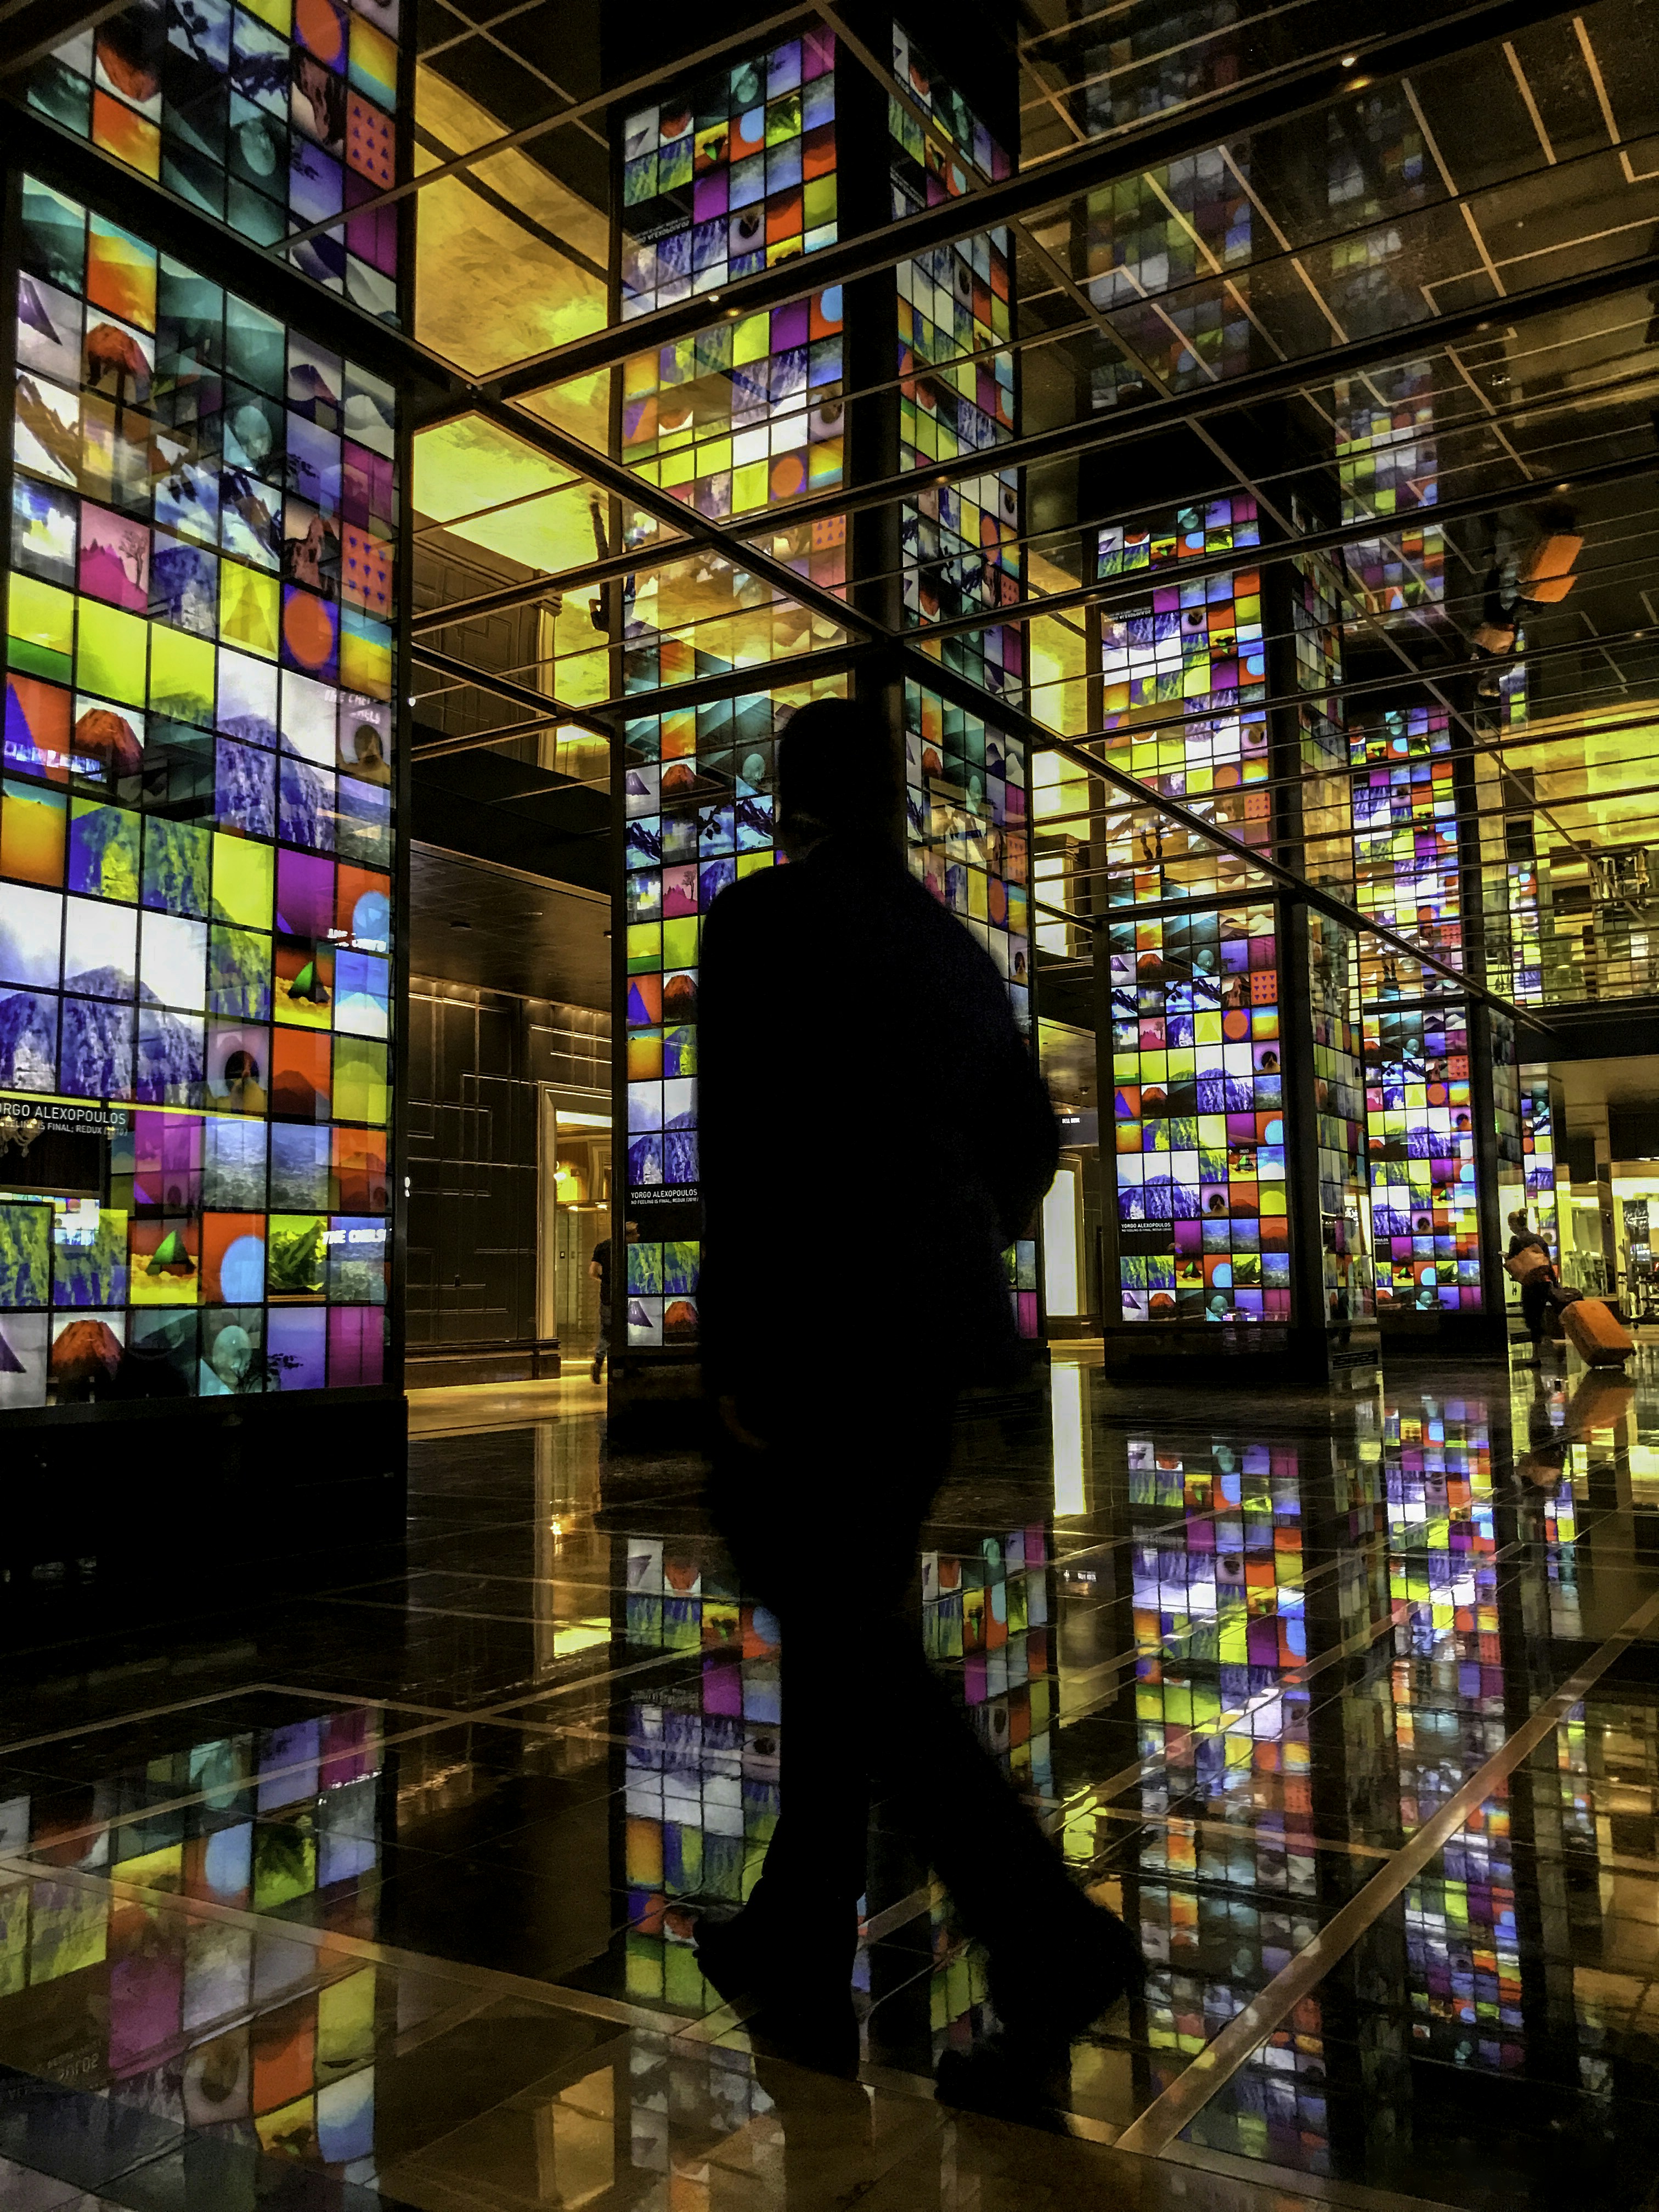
column 196, row 836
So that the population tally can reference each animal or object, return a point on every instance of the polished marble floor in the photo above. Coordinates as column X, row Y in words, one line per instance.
column 374, row 1883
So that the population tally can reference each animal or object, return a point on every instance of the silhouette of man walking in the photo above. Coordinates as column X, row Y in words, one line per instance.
column 874, row 1136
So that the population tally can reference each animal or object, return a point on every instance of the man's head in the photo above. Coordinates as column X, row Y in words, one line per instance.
column 837, row 776
column 1518, row 1221
column 631, row 1232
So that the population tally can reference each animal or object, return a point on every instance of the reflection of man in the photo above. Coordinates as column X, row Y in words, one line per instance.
column 853, row 1039
column 599, row 1268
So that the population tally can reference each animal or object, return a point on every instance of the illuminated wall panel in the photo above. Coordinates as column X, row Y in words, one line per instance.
column 1340, row 1107
column 956, row 391
column 271, row 115
column 744, row 414
column 1191, row 660
column 1406, row 842
column 1198, row 1105
column 1424, row 1211
column 196, row 834
column 735, row 174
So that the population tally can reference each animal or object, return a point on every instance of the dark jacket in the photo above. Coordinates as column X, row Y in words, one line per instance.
column 873, row 1132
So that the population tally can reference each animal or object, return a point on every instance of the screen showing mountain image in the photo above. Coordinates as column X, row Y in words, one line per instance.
column 196, row 831
column 1199, row 1112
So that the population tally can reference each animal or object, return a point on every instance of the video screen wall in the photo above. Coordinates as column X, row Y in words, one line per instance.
column 732, row 174
column 956, row 390
column 196, row 834
column 744, row 415
column 698, row 815
column 1420, row 1145
column 1191, row 658
column 1340, row 1112
column 271, row 115
column 1198, row 1107
column 1405, row 844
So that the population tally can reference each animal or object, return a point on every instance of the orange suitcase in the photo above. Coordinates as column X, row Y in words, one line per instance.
column 1595, row 1332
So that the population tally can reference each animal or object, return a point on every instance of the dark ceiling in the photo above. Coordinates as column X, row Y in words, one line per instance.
column 475, row 923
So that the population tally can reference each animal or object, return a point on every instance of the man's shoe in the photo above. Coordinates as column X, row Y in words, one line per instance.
column 1057, row 1983
column 595, row 1371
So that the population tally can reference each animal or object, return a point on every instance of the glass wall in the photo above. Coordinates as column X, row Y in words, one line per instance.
column 195, row 835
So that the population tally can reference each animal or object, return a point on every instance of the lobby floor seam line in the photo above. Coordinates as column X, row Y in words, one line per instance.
column 1213, row 2067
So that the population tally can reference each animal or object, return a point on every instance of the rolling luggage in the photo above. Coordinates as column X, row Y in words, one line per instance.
column 1595, row 1332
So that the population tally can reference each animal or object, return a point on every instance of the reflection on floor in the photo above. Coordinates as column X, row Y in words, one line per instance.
column 382, row 1891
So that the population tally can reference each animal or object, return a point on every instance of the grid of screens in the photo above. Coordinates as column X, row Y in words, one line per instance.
column 744, row 415
column 698, row 807
column 734, row 175
column 965, row 800
column 194, row 834
column 179, row 2015
column 1405, row 844
column 1172, row 231
column 270, row 114
column 1340, row 1112
column 966, row 814
column 960, row 541
column 1420, row 1145
column 1198, row 1102
column 1192, row 649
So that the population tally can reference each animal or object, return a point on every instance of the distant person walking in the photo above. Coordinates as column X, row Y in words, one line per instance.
column 599, row 1268
column 874, row 1136
column 1529, row 1262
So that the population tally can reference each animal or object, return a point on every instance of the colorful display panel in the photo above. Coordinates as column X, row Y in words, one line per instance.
column 1199, row 1108
column 744, row 415
column 957, row 393
column 1339, row 1109
column 697, row 806
column 196, row 835
column 1420, row 1143
column 1406, row 849
column 1191, row 663
column 735, row 174
column 272, row 115
column 181, row 2017
column 965, row 797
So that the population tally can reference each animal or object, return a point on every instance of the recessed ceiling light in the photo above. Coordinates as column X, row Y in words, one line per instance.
column 1348, row 60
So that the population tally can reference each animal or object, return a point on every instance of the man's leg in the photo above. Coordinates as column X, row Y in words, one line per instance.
column 601, row 1349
